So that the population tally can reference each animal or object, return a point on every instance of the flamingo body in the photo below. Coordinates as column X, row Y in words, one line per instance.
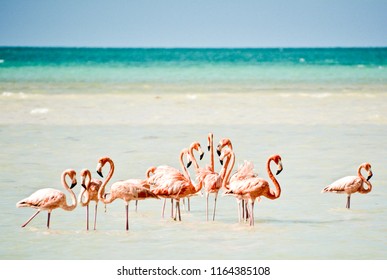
column 252, row 188
column 132, row 189
column 348, row 185
column 49, row 199
column 352, row 184
column 44, row 199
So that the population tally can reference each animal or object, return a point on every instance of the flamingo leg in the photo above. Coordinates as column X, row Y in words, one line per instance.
column 48, row 219
column 207, row 195
column 95, row 215
column 127, row 216
column 29, row 220
column 87, row 217
column 189, row 204
column 348, row 202
column 178, row 209
column 239, row 210
column 172, row 208
column 252, row 214
column 247, row 213
column 163, row 208
column 176, row 205
column 136, row 204
column 216, row 198
column 243, row 210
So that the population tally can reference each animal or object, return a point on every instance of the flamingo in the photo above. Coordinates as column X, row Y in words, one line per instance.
column 244, row 171
column 211, row 181
column 50, row 199
column 176, row 185
column 194, row 146
column 154, row 180
column 90, row 190
column 126, row 190
column 252, row 188
column 352, row 184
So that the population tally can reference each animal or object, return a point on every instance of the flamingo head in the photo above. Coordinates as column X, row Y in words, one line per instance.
column 226, row 152
column 197, row 147
column 223, row 142
column 150, row 170
column 277, row 159
column 73, row 176
column 367, row 167
column 84, row 174
column 101, row 162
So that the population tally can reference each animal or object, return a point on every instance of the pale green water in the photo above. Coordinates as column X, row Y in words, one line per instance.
column 324, row 118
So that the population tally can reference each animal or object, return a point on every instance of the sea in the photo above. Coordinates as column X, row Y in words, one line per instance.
column 323, row 110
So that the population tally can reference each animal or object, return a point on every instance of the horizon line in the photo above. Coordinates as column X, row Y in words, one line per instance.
column 191, row 47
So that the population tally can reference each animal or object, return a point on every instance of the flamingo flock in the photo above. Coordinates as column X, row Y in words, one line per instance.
column 170, row 183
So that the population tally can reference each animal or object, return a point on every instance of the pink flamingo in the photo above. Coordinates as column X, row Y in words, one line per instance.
column 252, row 188
column 194, row 146
column 159, row 174
column 226, row 142
column 352, row 184
column 50, row 199
column 210, row 180
column 126, row 190
column 90, row 190
column 176, row 185
column 246, row 170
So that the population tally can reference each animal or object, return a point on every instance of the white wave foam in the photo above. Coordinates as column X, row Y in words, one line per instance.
column 192, row 96
column 1, row 60
column 7, row 93
column 11, row 94
column 316, row 95
column 39, row 111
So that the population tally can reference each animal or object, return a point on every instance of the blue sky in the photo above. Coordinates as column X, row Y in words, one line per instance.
column 194, row 23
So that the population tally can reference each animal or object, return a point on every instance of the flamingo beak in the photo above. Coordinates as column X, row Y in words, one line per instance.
column 369, row 176
column 99, row 173
column 83, row 185
column 189, row 164
column 280, row 168
column 73, row 184
column 201, row 156
column 208, row 147
column 221, row 161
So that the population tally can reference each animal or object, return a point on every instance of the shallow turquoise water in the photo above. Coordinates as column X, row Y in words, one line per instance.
column 323, row 123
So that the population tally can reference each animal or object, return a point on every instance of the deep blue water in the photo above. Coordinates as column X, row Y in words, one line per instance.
column 96, row 70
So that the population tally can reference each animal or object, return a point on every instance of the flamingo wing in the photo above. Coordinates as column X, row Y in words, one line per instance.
column 347, row 184
column 43, row 199
column 246, row 170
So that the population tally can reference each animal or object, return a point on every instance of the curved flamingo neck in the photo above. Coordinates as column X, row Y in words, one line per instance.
column 85, row 190
column 363, row 190
column 73, row 197
column 273, row 194
column 185, row 171
column 228, row 143
column 101, row 190
column 211, row 145
column 195, row 162
column 359, row 172
column 229, row 165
